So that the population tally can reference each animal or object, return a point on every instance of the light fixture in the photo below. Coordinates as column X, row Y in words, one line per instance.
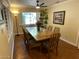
column 15, row 12
column 37, row 7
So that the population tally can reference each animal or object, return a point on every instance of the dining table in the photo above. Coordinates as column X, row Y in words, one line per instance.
column 41, row 35
column 38, row 35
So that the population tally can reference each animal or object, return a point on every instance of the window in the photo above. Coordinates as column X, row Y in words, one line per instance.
column 30, row 17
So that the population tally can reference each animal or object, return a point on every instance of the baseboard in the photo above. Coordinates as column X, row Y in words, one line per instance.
column 68, row 42
column 12, row 51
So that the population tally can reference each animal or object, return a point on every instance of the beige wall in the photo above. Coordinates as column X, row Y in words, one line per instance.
column 70, row 28
column 18, row 24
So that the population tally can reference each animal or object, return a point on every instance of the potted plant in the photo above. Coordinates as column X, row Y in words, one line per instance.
column 44, row 16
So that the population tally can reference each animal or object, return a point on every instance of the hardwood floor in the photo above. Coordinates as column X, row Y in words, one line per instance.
column 65, row 51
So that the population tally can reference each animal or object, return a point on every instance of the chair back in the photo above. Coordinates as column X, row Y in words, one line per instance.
column 53, row 42
column 56, row 30
column 49, row 28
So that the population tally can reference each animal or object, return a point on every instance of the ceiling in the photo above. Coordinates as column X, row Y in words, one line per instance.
column 26, row 3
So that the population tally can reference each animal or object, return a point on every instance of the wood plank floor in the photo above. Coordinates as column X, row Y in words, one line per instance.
column 65, row 51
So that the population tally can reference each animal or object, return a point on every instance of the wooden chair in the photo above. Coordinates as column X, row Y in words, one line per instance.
column 29, row 41
column 26, row 36
column 56, row 30
column 49, row 28
column 53, row 42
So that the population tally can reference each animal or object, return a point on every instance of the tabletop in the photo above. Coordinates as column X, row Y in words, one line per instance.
column 38, row 35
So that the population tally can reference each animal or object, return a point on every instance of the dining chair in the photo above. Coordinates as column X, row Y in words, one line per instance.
column 54, row 40
column 49, row 28
column 26, row 36
column 29, row 41
column 52, row 44
column 56, row 30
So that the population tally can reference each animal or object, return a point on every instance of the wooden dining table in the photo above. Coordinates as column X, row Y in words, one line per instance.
column 38, row 35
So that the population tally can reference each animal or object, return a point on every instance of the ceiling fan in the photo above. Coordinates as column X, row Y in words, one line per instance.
column 40, row 5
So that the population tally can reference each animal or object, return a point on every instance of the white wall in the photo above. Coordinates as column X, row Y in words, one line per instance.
column 4, row 46
column 10, row 33
column 71, row 25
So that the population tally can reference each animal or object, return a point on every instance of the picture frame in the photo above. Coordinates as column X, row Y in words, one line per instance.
column 59, row 17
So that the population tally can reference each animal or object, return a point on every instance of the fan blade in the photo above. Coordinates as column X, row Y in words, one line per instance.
column 42, row 4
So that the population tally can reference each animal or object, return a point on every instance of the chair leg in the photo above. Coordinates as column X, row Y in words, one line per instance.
column 25, row 42
column 57, row 50
column 40, row 50
column 49, row 57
